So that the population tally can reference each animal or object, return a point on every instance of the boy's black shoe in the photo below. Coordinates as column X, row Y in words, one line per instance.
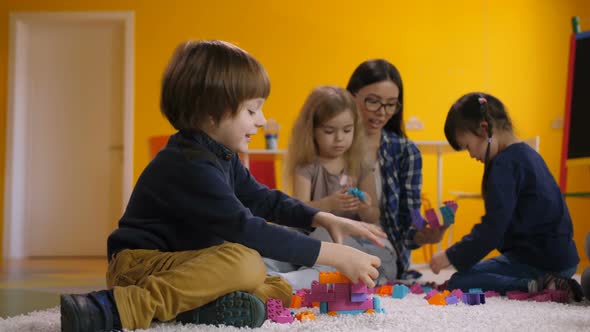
column 92, row 312
column 238, row 309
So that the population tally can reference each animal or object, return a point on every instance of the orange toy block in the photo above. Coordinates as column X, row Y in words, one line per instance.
column 385, row 290
column 295, row 301
column 305, row 315
column 333, row 278
column 437, row 299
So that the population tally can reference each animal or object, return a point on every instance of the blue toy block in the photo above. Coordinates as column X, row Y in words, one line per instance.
column 377, row 305
column 350, row 312
column 357, row 193
column 448, row 215
column 400, row 291
column 323, row 307
column 475, row 290
column 426, row 289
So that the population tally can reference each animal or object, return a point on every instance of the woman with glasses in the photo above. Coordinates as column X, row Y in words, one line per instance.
column 378, row 91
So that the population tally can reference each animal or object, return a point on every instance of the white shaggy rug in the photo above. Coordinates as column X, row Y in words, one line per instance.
column 412, row 313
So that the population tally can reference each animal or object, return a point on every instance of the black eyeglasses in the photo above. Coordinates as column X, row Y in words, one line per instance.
column 374, row 105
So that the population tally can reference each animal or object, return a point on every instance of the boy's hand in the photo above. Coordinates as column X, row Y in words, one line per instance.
column 429, row 235
column 354, row 264
column 439, row 261
column 339, row 228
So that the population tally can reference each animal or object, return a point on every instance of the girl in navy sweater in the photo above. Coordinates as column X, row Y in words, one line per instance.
column 526, row 216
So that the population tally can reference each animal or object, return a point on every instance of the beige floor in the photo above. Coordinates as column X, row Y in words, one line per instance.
column 35, row 284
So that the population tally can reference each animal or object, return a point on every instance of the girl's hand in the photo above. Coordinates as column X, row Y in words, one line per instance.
column 429, row 235
column 339, row 228
column 354, row 264
column 343, row 201
column 439, row 261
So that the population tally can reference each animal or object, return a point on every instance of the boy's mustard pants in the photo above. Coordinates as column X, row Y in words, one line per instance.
column 149, row 284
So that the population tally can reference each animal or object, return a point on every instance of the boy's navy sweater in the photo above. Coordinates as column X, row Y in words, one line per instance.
column 526, row 216
column 196, row 194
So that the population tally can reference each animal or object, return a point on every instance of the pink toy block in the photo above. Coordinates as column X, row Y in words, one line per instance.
column 542, row 297
column 430, row 294
column 518, row 295
column 458, row 293
column 416, row 289
column 277, row 313
column 557, row 295
column 432, row 218
column 491, row 293
column 452, row 204
column 347, row 305
column 359, row 287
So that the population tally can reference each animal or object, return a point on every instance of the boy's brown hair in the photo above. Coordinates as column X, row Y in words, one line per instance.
column 209, row 79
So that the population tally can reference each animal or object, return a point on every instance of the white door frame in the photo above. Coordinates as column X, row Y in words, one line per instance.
column 16, row 131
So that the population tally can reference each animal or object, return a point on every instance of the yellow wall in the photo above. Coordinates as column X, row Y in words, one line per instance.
column 516, row 50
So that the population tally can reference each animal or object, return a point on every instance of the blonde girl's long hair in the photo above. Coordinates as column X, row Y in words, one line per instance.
column 324, row 103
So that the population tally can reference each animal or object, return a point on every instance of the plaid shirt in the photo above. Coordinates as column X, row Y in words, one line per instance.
column 401, row 173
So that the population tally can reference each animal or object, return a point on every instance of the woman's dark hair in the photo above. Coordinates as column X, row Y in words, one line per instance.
column 375, row 71
column 467, row 114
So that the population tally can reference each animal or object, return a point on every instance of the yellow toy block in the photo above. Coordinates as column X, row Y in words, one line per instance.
column 333, row 278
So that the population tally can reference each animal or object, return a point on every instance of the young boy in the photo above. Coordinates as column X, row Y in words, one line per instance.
column 189, row 244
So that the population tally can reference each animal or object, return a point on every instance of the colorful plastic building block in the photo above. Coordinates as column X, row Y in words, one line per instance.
column 475, row 290
column 474, row 298
column 400, row 291
column 417, row 219
column 335, row 293
column 452, row 299
column 431, row 293
column 385, row 290
column 458, row 293
column 295, row 301
column 518, row 295
column 277, row 313
column 416, row 289
column 305, row 315
column 437, row 299
column 357, row 193
column 491, row 293
column 432, row 218
column 333, row 278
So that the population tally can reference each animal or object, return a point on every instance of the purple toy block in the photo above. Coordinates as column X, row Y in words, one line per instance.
column 417, row 219
column 358, row 297
column 432, row 218
column 491, row 293
column 518, row 295
column 277, row 313
column 430, row 294
column 416, row 289
column 452, row 299
column 474, row 298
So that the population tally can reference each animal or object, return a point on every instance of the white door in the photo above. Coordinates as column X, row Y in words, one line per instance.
column 74, row 82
